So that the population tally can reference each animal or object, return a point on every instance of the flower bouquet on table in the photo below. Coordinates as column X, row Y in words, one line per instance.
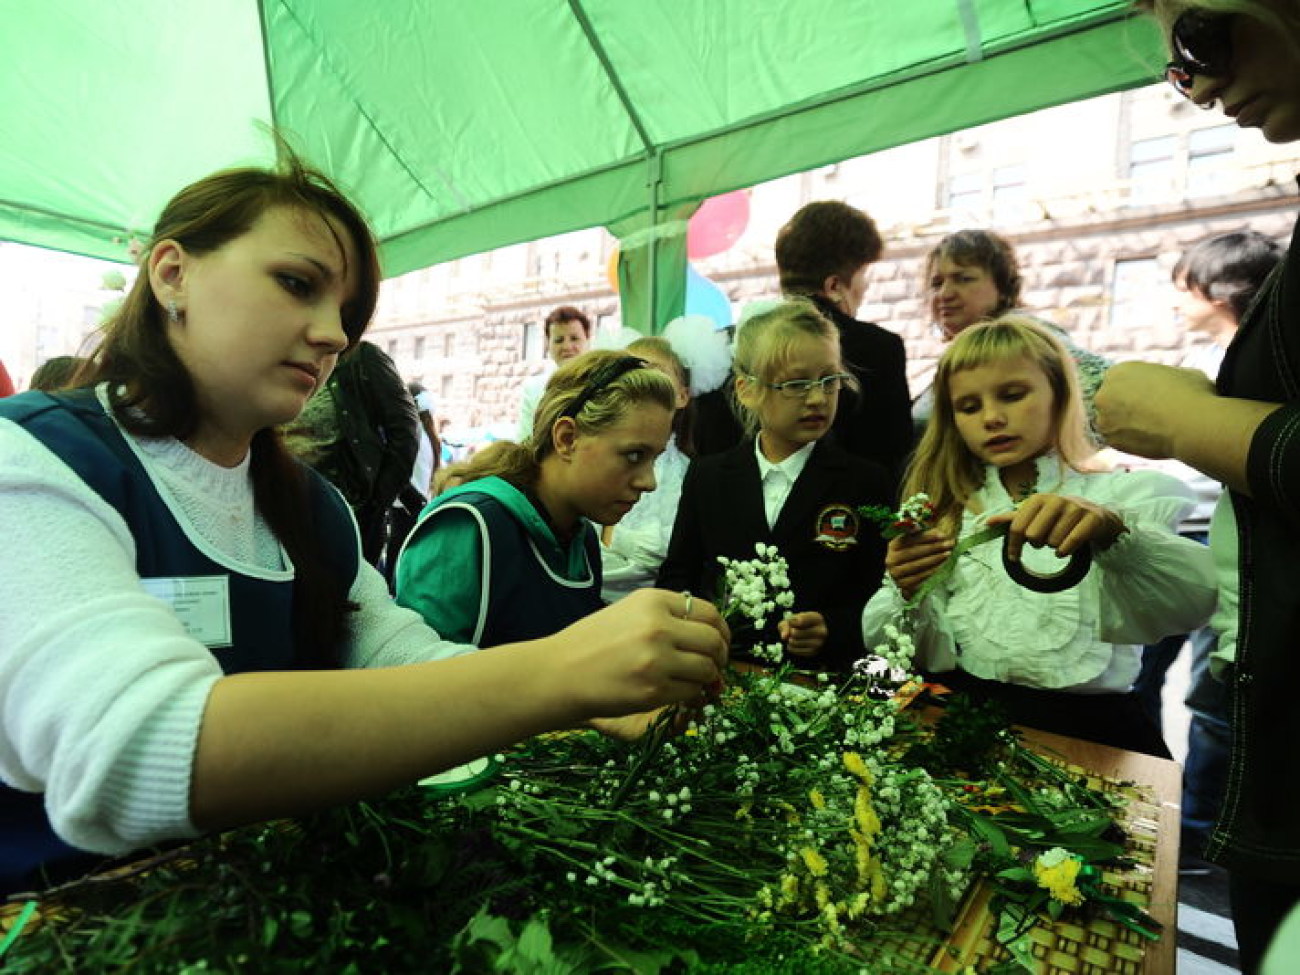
column 816, row 828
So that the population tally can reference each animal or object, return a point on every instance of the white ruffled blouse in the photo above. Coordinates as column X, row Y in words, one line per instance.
column 1150, row 583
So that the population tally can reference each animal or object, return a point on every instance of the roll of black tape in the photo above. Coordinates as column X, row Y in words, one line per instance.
column 1070, row 576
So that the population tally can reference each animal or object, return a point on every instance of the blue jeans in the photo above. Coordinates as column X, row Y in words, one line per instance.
column 1209, row 736
column 1209, row 741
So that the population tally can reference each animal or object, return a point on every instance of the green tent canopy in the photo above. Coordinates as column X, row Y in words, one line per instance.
column 463, row 125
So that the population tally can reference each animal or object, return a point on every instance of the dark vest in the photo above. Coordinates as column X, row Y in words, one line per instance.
column 75, row 428
column 526, row 600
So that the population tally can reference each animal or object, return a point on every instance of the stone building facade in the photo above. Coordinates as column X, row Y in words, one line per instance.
column 1100, row 198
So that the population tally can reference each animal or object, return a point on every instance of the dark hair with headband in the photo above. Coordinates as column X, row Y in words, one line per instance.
column 595, row 390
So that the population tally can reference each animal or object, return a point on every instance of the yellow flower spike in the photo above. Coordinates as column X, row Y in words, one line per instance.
column 862, row 857
column 859, row 905
column 789, row 888
column 817, row 799
column 743, row 811
column 822, row 894
column 857, row 767
column 831, row 916
column 814, row 861
column 865, row 814
column 878, row 886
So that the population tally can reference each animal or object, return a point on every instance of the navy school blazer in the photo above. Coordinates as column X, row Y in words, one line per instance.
column 836, row 558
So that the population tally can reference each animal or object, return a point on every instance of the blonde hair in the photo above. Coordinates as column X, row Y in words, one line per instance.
column 764, row 344
column 943, row 466
column 605, row 404
column 658, row 345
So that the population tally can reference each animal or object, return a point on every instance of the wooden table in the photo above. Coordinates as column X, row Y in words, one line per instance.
column 1162, row 779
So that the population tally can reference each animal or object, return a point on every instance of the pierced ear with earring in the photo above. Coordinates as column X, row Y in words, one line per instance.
column 173, row 313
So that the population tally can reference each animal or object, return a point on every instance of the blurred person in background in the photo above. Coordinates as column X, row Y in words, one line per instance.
column 568, row 334
column 361, row 432
column 972, row 276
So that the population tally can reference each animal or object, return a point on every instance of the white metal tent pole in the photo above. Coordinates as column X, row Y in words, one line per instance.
column 970, row 25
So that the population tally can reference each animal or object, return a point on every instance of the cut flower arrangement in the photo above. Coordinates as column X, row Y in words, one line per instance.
column 791, row 828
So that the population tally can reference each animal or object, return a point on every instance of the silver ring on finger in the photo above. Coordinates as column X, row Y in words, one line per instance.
column 690, row 601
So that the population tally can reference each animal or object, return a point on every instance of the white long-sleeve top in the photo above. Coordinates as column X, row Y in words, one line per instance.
column 1151, row 582
column 639, row 543
column 102, row 691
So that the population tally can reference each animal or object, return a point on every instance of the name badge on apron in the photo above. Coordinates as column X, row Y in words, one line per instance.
column 201, row 603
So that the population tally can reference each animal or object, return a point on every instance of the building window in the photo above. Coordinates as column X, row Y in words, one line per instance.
column 444, row 389
column 418, row 352
column 1010, row 195
column 533, row 342
column 1151, row 170
column 964, row 197
column 392, row 348
column 448, row 344
column 1208, row 150
column 1139, row 294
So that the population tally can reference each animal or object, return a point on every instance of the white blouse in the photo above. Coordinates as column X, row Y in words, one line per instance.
column 639, row 543
column 1150, row 583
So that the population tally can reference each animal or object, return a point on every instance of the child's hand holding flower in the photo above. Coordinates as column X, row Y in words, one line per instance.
column 803, row 633
column 910, row 559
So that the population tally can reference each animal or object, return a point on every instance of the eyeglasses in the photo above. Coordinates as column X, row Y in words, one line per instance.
column 801, row 388
column 1202, row 45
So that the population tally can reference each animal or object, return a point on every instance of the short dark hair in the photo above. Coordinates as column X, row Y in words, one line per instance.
column 1230, row 267
column 984, row 249
column 567, row 313
column 822, row 239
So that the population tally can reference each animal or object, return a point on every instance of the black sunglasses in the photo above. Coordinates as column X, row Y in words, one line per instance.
column 1202, row 44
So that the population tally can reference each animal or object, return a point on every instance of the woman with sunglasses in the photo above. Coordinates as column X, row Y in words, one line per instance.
column 1243, row 56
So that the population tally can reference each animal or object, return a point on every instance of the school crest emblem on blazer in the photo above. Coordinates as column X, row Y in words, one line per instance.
column 837, row 527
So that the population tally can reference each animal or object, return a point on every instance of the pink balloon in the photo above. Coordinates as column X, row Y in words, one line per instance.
column 717, row 224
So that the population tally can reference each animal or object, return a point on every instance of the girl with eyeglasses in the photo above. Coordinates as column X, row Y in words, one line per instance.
column 1007, row 445
column 790, row 486
column 1244, row 57
column 511, row 553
